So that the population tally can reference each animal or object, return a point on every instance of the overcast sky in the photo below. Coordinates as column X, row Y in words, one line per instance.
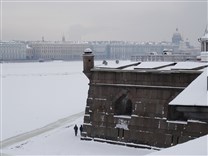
column 129, row 21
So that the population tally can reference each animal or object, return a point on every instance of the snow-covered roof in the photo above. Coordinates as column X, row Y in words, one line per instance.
column 196, row 94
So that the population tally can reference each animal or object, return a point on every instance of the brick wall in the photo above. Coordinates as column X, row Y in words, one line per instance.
column 150, row 92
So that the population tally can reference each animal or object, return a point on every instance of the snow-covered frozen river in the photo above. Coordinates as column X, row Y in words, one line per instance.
column 36, row 94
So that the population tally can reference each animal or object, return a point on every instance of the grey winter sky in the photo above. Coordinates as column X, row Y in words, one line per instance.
column 103, row 20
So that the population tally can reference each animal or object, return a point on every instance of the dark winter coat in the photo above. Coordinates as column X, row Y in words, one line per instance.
column 75, row 128
column 81, row 128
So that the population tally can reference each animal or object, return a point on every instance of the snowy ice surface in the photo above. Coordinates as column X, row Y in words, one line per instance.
column 196, row 94
column 35, row 94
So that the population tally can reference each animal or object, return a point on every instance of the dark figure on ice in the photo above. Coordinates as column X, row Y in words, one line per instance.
column 75, row 130
column 81, row 129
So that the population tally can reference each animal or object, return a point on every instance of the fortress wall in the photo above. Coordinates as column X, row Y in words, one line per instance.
column 150, row 93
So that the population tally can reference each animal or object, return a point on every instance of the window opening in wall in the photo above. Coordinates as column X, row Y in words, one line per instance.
column 172, row 140
column 177, row 140
column 123, row 106
column 122, row 133
column 118, row 131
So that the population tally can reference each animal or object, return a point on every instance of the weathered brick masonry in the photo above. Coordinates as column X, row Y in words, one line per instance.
column 132, row 106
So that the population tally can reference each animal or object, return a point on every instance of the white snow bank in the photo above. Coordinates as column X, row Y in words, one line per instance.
column 196, row 94
column 197, row 146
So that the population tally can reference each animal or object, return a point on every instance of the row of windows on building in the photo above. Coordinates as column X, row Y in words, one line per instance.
column 12, row 51
column 44, row 50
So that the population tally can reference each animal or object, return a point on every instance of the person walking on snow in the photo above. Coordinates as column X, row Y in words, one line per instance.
column 81, row 129
column 75, row 130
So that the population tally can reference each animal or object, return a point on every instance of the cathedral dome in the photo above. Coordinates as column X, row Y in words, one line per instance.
column 176, row 38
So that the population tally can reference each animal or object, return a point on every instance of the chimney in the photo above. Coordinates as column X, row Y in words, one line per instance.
column 88, row 62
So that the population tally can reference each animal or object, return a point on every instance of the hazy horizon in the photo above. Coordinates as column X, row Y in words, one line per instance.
column 103, row 20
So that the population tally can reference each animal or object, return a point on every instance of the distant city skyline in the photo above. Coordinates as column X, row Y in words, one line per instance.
column 103, row 20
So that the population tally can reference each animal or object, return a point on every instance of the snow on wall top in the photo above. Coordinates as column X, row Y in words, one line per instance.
column 196, row 94
column 88, row 50
column 185, row 66
column 151, row 65
column 188, row 65
column 112, row 64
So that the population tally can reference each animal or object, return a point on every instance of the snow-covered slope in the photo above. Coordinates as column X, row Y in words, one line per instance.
column 197, row 146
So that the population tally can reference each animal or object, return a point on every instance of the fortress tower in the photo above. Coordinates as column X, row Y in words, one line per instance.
column 88, row 62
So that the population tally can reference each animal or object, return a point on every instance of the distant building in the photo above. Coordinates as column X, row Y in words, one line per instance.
column 57, row 50
column 128, row 49
column 204, row 46
column 180, row 51
column 116, row 50
column 29, row 53
column 12, row 50
column 145, row 104
column 100, row 49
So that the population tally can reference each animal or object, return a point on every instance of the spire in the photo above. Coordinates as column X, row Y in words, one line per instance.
column 206, row 30
column 43, row 39
column 63, row 38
